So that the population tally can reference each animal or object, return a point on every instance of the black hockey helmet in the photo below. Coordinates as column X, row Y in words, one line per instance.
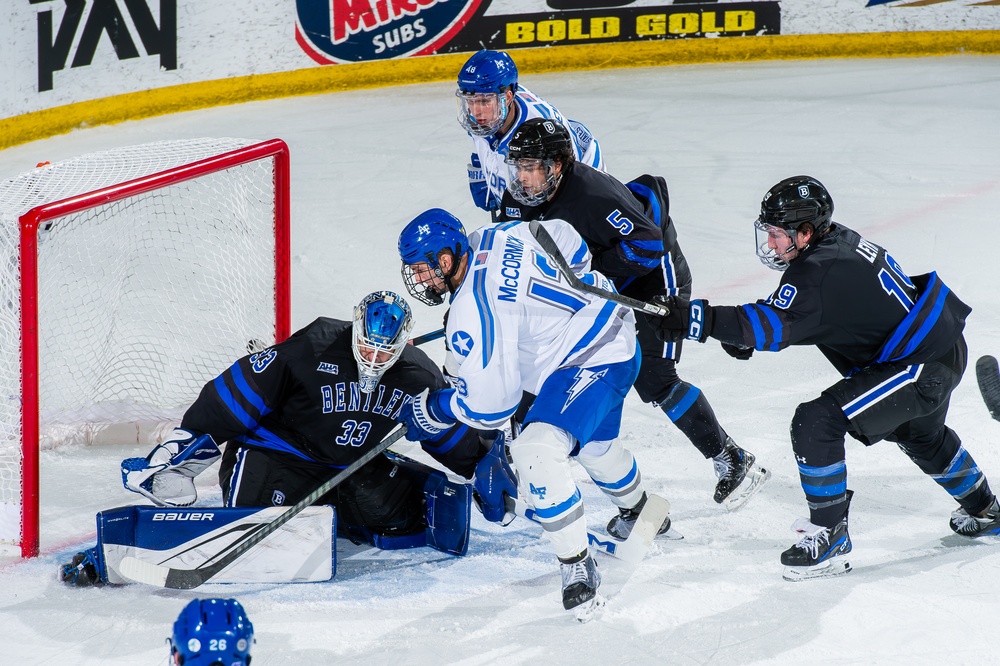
column 541, row 139
column 795, row 201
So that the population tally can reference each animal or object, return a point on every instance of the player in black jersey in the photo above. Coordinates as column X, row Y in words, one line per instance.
column 296, row 412
column 896, row 339
column 633, row 241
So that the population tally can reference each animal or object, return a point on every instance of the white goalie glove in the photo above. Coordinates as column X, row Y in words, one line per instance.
column 166, row 475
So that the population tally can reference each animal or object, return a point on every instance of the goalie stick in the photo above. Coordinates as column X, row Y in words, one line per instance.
column 186, row 579
column 634, row 548
column 549, row 245
column 988, row 376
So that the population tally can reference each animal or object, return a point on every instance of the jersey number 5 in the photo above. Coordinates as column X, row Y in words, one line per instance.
column 620, row 222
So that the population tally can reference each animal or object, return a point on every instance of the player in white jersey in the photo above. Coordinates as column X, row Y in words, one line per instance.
column 515, row 325
column 491, row 105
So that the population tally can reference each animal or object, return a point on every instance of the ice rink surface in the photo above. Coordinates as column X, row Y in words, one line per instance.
column 910, row 151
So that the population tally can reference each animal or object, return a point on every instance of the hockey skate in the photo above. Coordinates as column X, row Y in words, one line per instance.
column 974, row 526
column 820, row 553
column 84, row 570
column 580, row 580
column 620, row 527
column 739, row 477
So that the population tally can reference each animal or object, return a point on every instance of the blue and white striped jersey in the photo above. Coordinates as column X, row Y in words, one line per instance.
column 514, row 320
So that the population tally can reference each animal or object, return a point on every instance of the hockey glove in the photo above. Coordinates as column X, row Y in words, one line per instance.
column 427, row 415
column 494, row 481
column 477, row 183
column 741, row 353
column 166, row 475
column 691, row 320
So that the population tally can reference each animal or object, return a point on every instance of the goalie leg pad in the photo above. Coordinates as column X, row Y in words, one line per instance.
column 303, row 550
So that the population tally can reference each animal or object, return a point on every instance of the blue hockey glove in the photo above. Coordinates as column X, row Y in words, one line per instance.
column 691, row 320
column 494, row 480
column 427, row 415
column 477, row 183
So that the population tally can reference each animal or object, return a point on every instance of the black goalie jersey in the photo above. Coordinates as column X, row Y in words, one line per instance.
column 302, row 397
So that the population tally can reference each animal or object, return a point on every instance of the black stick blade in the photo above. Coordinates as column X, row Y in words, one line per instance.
column 988, row 376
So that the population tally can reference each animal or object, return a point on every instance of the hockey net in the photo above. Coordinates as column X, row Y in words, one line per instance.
column 129, row 278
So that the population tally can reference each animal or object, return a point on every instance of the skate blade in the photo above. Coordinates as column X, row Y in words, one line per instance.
column 671, row 534
column 588, row 610
column 835, row 566
column 756, row 477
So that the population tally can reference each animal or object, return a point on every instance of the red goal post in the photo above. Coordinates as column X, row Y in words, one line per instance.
column 137, row 283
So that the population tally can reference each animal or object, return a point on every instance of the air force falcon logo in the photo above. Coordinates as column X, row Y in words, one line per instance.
column 461, row 343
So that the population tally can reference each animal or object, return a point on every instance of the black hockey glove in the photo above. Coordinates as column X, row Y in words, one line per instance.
column 691, row 320
column 741, row 353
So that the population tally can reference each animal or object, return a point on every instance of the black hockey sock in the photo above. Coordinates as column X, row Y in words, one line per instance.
column 691, row 412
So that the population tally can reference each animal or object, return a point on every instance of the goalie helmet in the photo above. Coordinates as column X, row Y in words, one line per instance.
column 785, row 208
column 533, row 151
column 382, row 323
column 212, row 632
column 421, row 242
column 483, row 83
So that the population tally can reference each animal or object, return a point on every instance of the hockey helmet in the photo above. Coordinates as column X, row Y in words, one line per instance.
column 785, row 208
column 382, row 323
column 422, row 241
column 212, row 632
column 482, row 83
column 536, row 146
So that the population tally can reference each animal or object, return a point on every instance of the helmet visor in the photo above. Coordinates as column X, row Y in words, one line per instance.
column 481, row 114
column 531, row 181
column 775, row 245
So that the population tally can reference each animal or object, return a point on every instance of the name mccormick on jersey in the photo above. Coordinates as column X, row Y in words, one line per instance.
column 343, row 31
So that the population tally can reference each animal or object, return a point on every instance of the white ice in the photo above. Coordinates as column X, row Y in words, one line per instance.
column 909, row 149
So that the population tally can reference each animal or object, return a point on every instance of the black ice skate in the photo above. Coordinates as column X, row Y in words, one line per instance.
column 820, row 553
column 973, row 526
column 580, row 580
column 739, row 478
column 620, row 527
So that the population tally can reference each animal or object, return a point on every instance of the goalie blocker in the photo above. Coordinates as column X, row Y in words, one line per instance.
column 303, row 550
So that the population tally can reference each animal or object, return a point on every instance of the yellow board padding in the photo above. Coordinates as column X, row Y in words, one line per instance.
column 653, row 53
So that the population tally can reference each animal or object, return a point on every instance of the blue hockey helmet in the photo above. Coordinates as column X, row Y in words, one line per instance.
column 212, row 632
column 382, row 323
column 421, row 242
column 483, row 82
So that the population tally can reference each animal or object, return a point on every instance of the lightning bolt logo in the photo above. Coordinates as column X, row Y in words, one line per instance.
column 584, row 378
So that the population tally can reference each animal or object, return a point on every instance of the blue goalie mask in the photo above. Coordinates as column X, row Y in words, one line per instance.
column 420, row 244
column 483, row 84
column 212, row 632
column 382, row 323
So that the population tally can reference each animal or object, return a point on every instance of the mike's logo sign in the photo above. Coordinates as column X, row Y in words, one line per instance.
column 335, row 31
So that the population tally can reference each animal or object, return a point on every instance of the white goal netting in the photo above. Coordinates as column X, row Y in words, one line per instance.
column 140, row 301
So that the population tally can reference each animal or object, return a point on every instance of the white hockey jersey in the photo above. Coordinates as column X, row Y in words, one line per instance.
column 515, row 320
column 492, row 150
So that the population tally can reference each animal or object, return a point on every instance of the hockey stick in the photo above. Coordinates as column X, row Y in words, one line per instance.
column 634, row 548
column 427, row 337
column 988, row 376
column 186, row 579
column 551, row 249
